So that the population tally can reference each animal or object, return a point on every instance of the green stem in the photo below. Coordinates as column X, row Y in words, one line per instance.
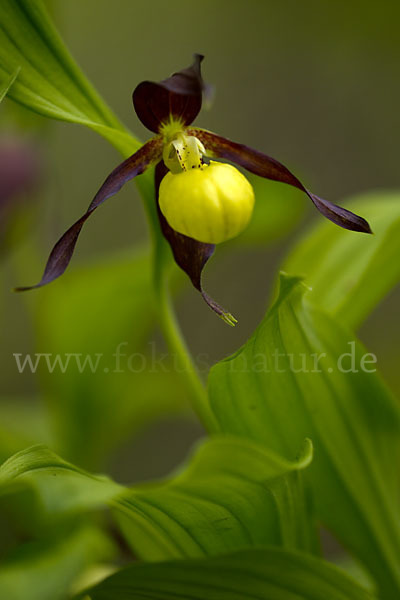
column 180, row 351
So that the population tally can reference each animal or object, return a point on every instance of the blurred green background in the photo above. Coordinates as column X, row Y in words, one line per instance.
column 314, row 84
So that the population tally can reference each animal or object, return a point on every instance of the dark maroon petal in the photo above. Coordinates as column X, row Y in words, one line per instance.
column 265, row 166
column 62, row 252
column 179, row 96
column 189, row 254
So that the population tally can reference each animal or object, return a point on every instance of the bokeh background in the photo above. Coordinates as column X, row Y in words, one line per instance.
column 314, row 84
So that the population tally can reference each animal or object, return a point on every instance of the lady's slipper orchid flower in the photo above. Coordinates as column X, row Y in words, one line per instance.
column 200, row 202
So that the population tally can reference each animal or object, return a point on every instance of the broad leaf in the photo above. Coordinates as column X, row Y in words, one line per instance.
column 264, row 574
column 214, row 505
column 46, row 570
column 350, row 274
column 49, row 81
column 303, row 375
column 61, row 486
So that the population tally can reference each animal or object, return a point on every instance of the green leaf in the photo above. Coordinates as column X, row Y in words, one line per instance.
column 351, row 273
column 293, row 380
column 47, row 569
column 214, row 505
column 6, row 85
column 61, row 486
column 263, row 574
column 50, row 82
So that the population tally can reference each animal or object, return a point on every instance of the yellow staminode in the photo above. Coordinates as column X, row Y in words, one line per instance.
column 210, row 204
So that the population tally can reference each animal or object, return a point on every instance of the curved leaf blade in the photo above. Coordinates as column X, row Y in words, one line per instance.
column 279, row 393
column 62, row 487
column 263, row 574
column 50, row 83
column 213, row 505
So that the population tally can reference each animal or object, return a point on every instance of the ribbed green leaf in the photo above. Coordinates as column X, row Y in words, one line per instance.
column 61, row 486
column 49, row 81
column 214, row 505
column 276, row 391
column 350, row 274
column 267, row 574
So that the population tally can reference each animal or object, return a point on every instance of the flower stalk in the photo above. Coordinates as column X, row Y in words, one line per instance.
column 184, row 362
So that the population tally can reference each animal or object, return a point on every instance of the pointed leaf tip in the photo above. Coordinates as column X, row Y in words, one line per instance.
column 287, row 285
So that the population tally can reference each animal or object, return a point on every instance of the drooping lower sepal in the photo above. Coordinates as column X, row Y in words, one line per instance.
column 189, row 254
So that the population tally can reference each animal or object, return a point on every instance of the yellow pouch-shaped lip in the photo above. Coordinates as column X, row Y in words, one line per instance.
column 211, row 204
